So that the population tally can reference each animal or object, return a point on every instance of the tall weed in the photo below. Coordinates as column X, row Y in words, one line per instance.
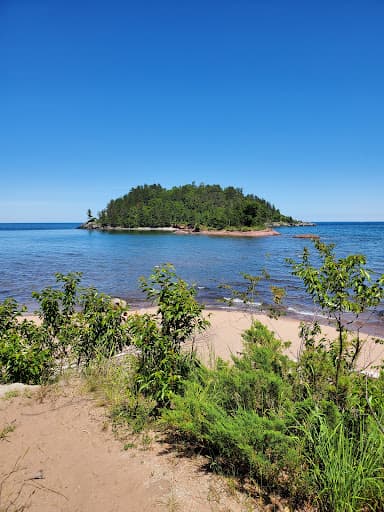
column 113, row 381
column 347, row 469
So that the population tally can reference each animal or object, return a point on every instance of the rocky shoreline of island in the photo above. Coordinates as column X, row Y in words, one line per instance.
column 94, row 225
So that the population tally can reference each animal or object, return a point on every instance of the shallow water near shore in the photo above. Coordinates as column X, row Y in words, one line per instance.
column 30, row 254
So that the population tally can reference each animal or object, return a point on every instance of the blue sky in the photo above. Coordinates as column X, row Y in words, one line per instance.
column 281, row 98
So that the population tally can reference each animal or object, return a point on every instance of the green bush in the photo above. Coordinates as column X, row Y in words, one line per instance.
column 81, row 321
column 344, row 289
column 76, row 324
column 23, row 360
column 25, row 355
column 164, row 365
column 179, row 313
column 99, row 327
column 237, row 413
column 57, row 305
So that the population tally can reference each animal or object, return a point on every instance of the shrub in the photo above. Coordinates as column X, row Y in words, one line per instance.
column 179, row 312
column 237, row 413
column 98, row 327
column 340, row 286
column 81, row 321
column 57, row 305
column 75, row 322
column 24, row 361
column 163, row 364
column 25, row 355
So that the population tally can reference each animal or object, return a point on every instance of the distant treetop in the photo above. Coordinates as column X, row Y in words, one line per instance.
column 209, row 206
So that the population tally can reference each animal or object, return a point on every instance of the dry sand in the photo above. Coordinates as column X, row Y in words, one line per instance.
column 223, row 338
column 62, row 456
column 57, row 452
column 223, row 232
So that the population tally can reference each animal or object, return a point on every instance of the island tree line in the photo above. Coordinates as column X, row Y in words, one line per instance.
column 190, row 205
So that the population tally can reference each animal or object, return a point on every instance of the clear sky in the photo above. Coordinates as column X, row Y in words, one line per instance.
column 282, row 98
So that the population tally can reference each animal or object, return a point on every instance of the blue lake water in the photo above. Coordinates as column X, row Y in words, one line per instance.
column 30, row 254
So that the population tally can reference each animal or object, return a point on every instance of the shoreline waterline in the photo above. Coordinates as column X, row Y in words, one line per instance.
column 368, row 327
column 252, row 233
column 373, row 329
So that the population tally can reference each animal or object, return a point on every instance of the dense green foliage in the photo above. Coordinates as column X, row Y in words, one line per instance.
column 25, row 353
column 163, row 367
column 344, row 289
column 77, row 325
column 192, row 205
column 345, row 468
column 80, row 325
column 236, row 412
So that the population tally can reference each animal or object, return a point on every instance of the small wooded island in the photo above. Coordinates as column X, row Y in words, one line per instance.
column 208, row 209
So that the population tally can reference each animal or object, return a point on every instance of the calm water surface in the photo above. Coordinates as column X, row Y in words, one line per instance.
column 30, row 254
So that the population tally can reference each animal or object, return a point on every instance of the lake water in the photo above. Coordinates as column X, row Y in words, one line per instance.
column 30, row 254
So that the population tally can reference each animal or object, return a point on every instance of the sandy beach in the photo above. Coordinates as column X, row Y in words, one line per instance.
column 58, row 452
column 224, row 336
column 224, row 232
column 183, row 231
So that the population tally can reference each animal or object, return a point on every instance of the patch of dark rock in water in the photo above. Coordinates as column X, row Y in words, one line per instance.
column 307, row 235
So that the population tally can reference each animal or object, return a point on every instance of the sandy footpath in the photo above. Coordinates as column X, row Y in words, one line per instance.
column 60, row 455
